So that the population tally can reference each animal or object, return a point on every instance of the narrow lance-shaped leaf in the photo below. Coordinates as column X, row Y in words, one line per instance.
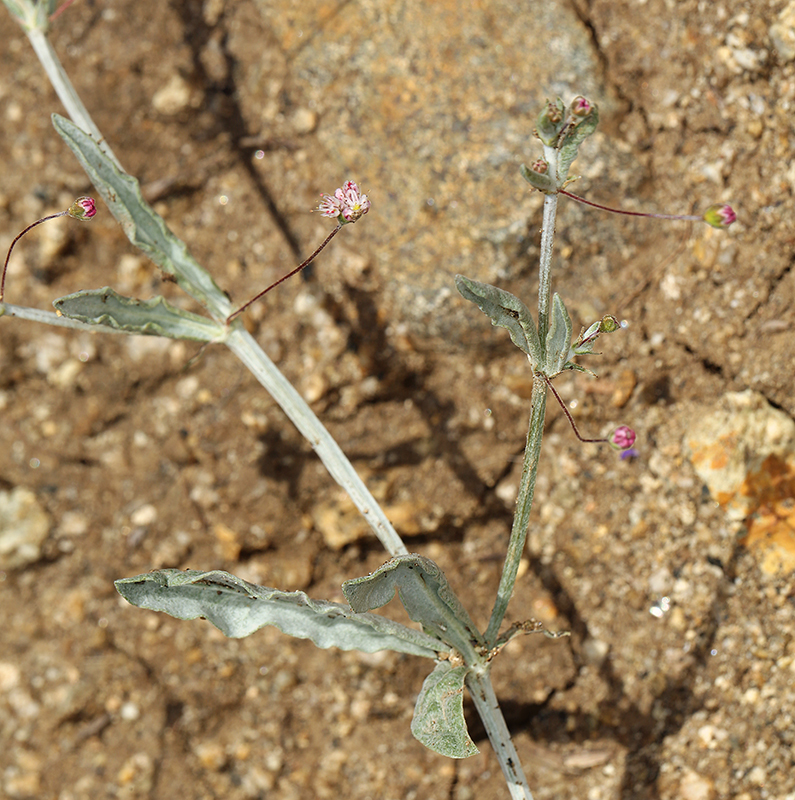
column 239, row 608
column 571, row 144
column 144, row 228
column 155, row 317
column 558, row 338
column 427, row 597
column 438, row 720
column 506, row 311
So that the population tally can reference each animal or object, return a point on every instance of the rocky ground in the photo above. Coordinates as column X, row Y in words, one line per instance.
column 673, row 570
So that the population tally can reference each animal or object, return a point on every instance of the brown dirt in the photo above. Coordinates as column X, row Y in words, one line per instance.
column 143, row 458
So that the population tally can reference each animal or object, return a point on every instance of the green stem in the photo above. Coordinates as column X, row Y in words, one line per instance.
column 524, row 503
column 482, row 692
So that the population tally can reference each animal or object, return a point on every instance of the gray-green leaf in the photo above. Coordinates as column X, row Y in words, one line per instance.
column 439, row 713
column 571, row 144
column 506, row 311
column 239, row 608
column 558, row 338
column 144, row 228
column 427, row 597
column 155, row 317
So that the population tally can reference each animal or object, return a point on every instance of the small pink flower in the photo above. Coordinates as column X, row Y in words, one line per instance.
column 721, row 215
column 622, row 438
column 347, row 204
column 83, row 208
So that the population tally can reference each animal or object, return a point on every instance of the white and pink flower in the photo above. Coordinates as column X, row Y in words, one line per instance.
column 347, row 204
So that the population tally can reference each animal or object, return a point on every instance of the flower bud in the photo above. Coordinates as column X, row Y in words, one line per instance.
column 721, row 215
column 581, row 107
column 622, row 438
column 550, row 122
column 537, row 178
column 83, row 208
column 540, row 166
column 608, row 324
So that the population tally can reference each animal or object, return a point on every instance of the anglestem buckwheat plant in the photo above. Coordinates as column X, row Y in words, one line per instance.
column 461, row 654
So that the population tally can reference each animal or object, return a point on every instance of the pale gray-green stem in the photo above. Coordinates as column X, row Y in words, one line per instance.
column 547, row 240
column 243, row 345
column 482, row 692
column 64, row 89
column 50, row 318
column 538, row 405
column 524, row 502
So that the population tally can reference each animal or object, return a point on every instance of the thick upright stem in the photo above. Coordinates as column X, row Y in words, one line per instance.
column 524, row 503
column 547, row 240
column 544, row 282
column 302, row 416
column 479, row 685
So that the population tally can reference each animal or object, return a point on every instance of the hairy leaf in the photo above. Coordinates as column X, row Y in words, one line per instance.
column 573, row 140
column 558, row 338
column 439, row 713
column 144, row 228
column 427, row 597
column 155, row 317
column 239, row 608
column 506, row 311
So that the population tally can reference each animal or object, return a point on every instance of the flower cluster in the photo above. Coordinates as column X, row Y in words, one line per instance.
column 346, row 204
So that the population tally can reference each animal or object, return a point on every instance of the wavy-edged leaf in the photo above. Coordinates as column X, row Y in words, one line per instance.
column 144, row 228
column 155, row 317
column 506, row 311
column 427, row 596
column 238, row 608
column 438, row 720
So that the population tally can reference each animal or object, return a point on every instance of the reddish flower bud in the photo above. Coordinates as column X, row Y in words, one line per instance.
column 622, row 438
column 721, row 215
column 83, row 208
column 581, row 107
column 540, row 166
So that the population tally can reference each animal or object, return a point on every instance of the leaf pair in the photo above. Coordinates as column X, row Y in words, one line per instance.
column 239, row 608
column 508, row 311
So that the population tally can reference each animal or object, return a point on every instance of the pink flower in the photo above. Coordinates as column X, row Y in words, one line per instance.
column 83, row 208
column 721, row 215
column 622, row 438
column 346, row 205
